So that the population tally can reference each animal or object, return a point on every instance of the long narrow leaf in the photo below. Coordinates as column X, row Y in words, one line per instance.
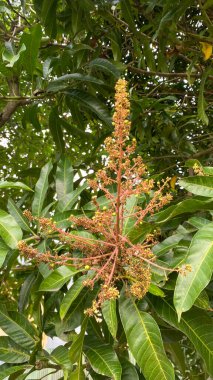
column 10, row 231
column 41, row 189
column 70, row 199
column 18, row 328
column 195, row 324
column 18, row 216
column 200, row 258
column 102, row 357
column 57, row 279
column 145, row 342
column 64, row 177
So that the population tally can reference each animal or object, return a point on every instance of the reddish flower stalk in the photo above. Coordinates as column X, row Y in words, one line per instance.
column 110, row 252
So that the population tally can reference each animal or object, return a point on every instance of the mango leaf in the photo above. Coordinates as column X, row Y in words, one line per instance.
column 127, row 13
column 4, row 249
column 198, row 185
column 92, row 103
column 167, row 244
column 105, row 66
column 41, row 189
column 61, row 218
column 130, row 205
column 48, row 15
column 75, row 352
column 57, row 279
column 60, row 355
column 154, row 289
column 18, row 328
column 177, row 355
column 200, row 258
column 203, row 301
column 31, row 40
column 72, row 294
column 195, row 324
column 138, row 233
column 62, row 82
column 78, row 374
column 201, row 104
column 145, row 342
column 128, row 370
column 18, row 216
column 102, row 358
column 68, row 200
column 26, row 290
column 6, row 371
column 10, row 231
column 10, row 352
column 110, row 316
column 9, row 54
column 186, row 206
column 14, row 185
column 56, row 130
column 64, row 177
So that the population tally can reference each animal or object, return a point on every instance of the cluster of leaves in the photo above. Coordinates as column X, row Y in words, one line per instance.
column 59, row 63
column 161, row 331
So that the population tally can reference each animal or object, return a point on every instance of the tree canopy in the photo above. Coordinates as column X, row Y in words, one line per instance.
column 149, row 314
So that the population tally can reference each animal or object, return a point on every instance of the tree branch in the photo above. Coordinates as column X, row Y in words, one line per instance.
column 160, row 74
column 12, row 105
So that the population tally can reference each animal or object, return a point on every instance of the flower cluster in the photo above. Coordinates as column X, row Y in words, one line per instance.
column 108, row 250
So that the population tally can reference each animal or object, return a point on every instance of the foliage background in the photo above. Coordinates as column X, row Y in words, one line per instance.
column 59, row 63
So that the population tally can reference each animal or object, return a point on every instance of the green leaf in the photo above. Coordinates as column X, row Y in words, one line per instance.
column 9, row 54
column 75, row 352
column 18, row 328
column 138, row 233
column 105, row 66
column 14, row 185
column 201, row 104
column 31, row 40
column 4, row 249
column 195, row 324
column 154, row 289
column 60, row 355
column 57, row 279
column 48, row 15
column 70, row 199
column 64, row 177
column 167, row 244
column 41, row 189
column 6, row 371
column 78, row 374
column 130, row 205
column 200, row 258
column 26, row 290
column 72, row 294
column 127, row 12
column 128, row 370
column 92, row 103
column 102, row 358
column 110, row 316
column 10, row 231
column 56, row 130
column 10, row 352
column 145, row 342
column 186, row 206
column 198, row 185
column 18, row 216
column 62, row 82
column 203, row 301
